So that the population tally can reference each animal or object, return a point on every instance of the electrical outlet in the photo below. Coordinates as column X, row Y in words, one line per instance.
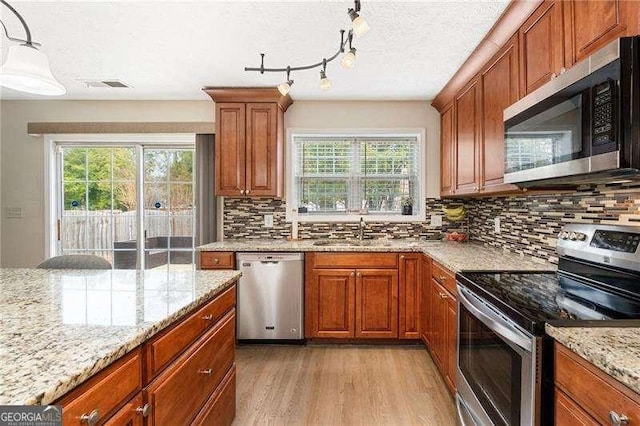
column 436, row 220
column 496, row 225
column 268, row 221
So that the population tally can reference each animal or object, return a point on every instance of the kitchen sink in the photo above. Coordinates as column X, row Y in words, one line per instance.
column 352, row 243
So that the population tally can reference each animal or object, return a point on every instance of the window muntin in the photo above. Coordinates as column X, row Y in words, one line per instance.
column 335, row 175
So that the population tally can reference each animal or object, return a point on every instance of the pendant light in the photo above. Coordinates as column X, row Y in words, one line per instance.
column 26, row 68
column 285, row 88
column 325, row 83
column 358, row 23
column 349, row 59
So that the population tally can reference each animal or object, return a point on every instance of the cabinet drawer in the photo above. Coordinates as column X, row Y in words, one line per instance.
column 220, row 409
column 179, row 393
column 444, row 277
column 129, row 415
column 355, row 260
column 592, row 389
column 105, row 392
column 217, row 260
column 162, row 349
column 568, row 413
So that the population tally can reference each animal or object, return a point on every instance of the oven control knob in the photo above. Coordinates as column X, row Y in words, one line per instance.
column 581, row 236
column 563, row 235
column 573, row 236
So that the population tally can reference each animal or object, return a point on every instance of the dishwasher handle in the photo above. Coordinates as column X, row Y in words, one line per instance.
column 269, row 262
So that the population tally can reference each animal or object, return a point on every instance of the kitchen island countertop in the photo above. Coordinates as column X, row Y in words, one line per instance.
column 453, row 255
column 615, row 350
column 58, row 328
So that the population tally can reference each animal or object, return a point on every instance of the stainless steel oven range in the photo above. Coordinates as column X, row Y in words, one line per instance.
column 504, row 360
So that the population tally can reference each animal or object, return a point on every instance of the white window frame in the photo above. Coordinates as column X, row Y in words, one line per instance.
column 292, row 214
column 51, row 141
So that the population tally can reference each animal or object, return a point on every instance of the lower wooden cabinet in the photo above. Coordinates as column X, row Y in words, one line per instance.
column 410, row 296
column 376, row 303
column 190, row 376
column 425, row 295
column 440, row 312
column 586, row 395
column 330, row 303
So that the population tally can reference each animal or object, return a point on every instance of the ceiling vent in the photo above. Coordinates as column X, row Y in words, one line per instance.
column 117, row 84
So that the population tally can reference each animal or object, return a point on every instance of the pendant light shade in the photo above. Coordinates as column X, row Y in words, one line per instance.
column 349, row 59
column 325, row 83
column 285, row 87
column 358, row 23
column 27, row 70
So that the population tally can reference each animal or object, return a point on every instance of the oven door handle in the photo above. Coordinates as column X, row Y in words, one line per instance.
column 496, row 323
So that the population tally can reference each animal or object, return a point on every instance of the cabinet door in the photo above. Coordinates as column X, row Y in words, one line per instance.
column 450, row 342
column 592, row 24
column 541, row 46
column 425, row 308
column 377, row 303
column 230, row 149
column 499, row 90
column 129, row 415
column 409, row 305
column 262, row 150
column 329, row 303
column 447, row 134
column 467, row 139
column 567, row 412
column 438, row 322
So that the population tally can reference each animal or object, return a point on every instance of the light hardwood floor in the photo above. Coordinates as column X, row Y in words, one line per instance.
column 340, row 385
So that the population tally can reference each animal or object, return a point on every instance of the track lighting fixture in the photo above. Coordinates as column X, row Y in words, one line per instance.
column 285, row 88
column 26, row 68
column 360, row 28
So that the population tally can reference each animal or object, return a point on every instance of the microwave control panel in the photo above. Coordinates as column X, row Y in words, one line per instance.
column 603, row 119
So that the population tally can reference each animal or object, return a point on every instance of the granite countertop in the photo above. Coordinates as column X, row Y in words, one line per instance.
column 452, row 255
column 615, row 350
column 58, row 328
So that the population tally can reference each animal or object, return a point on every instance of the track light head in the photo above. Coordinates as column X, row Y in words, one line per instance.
column 285, row 88
column 349, row 59
column 325, row 83
column 359, row 24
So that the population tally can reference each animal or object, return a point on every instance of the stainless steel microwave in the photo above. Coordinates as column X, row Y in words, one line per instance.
column 581, row 127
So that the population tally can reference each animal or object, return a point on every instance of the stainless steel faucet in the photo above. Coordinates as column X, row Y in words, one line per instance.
column 361, row 229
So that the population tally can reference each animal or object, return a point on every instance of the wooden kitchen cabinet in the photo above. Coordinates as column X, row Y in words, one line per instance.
column 425, row 293
column 376, row 303
column 499, row 90
column 589, row 25
column 249, row 142
column 217, row 260
column 447, row 138
column 345, row 302
column 410, row 296
column 330, row 303
column 542, row 47
column 584, row 394
column 132, row 414
column 466, row 158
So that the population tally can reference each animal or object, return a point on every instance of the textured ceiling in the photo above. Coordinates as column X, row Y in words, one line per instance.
column 170, row 50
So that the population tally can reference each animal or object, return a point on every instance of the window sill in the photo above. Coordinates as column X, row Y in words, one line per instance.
column 354, row 218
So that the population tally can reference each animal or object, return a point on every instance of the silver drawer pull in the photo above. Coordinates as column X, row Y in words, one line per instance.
column 206, row 371
column 618, row 419
column 144, row 410
column 207, row 317
column 91, row 419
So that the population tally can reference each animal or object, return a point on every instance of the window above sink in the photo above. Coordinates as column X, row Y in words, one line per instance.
column 340, row 176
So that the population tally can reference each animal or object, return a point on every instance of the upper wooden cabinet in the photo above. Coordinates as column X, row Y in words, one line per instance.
column 590, row 25
column 447, row 134
column 249, row 153
column 542, row 46
column 466, row 170
column 499, row 90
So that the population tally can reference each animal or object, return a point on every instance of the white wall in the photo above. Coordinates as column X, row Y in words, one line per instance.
column 22, row 156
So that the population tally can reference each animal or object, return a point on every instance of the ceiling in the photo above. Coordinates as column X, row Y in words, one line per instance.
column 169, row 50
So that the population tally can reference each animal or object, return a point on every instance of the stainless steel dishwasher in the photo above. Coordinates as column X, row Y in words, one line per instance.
column 270, row 296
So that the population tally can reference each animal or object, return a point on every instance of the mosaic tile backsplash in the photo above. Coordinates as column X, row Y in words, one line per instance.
column 529, row 224
column 244, row 218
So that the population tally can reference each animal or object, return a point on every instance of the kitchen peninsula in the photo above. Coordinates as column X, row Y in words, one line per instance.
column 116, row 342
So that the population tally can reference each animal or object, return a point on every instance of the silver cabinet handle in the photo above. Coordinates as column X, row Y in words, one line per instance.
column 144, row 410
column 618, row 419
column 554, row 75
column 443, row 296
column 247, row 191
column 563, row 70
column 359, row 274
column 402, row 257
column 206, row 371
column 91, row 419
column 207, row 317
column 241, row 191
column 216, row 260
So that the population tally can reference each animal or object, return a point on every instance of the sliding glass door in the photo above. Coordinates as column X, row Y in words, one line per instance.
column 132, row 204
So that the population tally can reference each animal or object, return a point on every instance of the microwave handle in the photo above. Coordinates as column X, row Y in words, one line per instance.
column 496, row 323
